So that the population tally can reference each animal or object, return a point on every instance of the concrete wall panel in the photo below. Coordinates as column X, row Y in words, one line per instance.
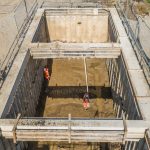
column 78, row 28
column 25, row 99
column 123, row 94
column 41, row 33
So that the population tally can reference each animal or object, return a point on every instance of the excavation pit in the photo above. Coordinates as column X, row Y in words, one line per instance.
column 73, row 26
column 111, row 76
column 66, row 88
column 66, row 33
column 63, row 95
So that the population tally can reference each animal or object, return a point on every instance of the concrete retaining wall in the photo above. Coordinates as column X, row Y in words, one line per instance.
column 30, row 77
column 24, row 101
column 41, row 34
column 122, row 90
column 124, row 98
column 123, row 95
column 67, row 28
column 128, row 83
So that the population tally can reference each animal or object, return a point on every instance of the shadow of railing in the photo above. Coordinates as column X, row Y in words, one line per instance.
column 78, row 92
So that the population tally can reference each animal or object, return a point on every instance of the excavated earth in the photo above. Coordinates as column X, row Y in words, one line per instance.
column 64, row 92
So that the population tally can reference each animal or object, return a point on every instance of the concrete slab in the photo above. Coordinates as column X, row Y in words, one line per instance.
column 135, row 126
column 7, row 6
column 144, row 104
column 139, row 83
column 127, row 50
column 129, row 55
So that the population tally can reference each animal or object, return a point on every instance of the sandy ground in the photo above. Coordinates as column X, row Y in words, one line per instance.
column 70, row 73
column 67, row 72
column 9, row 2
column 7, row 28
column 68, row 76
column 9, row 24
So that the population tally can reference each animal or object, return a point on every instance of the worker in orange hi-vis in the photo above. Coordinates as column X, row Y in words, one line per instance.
column 86, row 103
column 46, row 73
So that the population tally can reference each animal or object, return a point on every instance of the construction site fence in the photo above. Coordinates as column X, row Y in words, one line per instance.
column 20, row 20
column 136, row 28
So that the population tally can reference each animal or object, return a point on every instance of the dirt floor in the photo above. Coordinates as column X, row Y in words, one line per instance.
column 67, row 87
column 64, row 94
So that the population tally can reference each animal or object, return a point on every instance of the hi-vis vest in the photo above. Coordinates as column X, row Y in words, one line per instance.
column 46, row 73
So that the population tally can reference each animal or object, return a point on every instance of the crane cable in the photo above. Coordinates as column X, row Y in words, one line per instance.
column 86, row 76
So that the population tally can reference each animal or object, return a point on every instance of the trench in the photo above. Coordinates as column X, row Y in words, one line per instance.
column 64, row 93
column 110, row 96
column 65, row 90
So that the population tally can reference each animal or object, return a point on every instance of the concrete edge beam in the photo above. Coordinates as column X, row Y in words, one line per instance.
column 139, row 83
column 128, row 54
column 144, row 104
column 118, row 24
column 135, row 129
column 137, row 78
